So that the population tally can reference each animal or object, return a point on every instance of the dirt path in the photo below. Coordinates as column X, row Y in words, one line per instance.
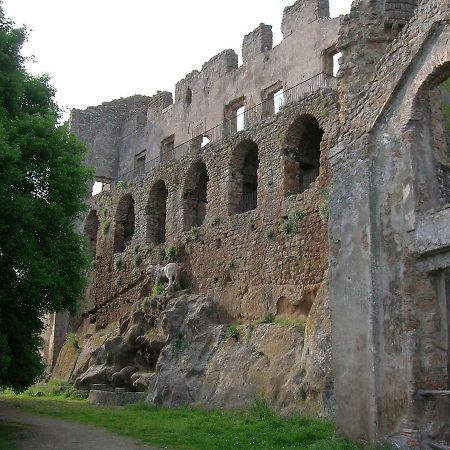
column 43, row 433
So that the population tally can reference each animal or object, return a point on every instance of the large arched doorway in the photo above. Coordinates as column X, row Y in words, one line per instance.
column 124, row 223
column 243, row 185
column 156, row 211
column 195, row 196
column 302, row 154
column 427, row 135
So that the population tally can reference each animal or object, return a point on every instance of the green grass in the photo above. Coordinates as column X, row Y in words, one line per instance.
column 53, row 389
column 7, row 437
column 300, row 324
column 188, row 428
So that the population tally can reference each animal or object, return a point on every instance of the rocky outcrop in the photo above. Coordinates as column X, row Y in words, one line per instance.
column 180, row 351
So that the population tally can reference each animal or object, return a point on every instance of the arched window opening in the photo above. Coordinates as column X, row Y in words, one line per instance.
column 91, row 231
column 439, row 113
column 188, row 97
column 195, row 196
column 429, row 138
column 243, row 192
column 302, row 154
column 124, row 224
column 156, row 213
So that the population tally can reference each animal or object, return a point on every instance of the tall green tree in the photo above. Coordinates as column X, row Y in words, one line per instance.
column 42, row 186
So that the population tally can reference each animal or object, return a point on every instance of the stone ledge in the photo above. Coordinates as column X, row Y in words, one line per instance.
column 108, row 398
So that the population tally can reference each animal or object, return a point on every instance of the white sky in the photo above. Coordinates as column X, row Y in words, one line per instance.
column 99, row 50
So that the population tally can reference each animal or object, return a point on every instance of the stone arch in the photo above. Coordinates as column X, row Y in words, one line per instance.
column 302, row 149
column 91, row 231
column 426, row 133
column 188, row 97
column 243, row 182
column 124, row 223
column 195, row 196
column 156, row 211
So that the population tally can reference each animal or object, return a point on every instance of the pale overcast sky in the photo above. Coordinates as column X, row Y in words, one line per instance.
column 98, row 50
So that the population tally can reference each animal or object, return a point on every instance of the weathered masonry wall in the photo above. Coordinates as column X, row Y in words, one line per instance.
column 246, row 212
column 389, row 258
column 249, row 261
column 120, row 132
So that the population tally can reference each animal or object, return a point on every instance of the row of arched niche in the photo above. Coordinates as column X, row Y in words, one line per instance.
column 302, row 164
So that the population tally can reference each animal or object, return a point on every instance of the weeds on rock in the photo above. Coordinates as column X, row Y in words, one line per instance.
column 72, row 339
column 296, row 215
column 267, row 318
column 170, row 252
column 118, row 263
column 299, row 324
column 158, row 288
column 232, row 333
column 106, row 226
column 194, row 234
column 323, row 207
column 270, row 233
column 178, row 342
column 137, row 260
column 290, row 225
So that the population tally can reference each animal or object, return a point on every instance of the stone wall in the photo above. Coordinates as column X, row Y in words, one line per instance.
column 388, row 311
column 246, row 260
column 261, row 239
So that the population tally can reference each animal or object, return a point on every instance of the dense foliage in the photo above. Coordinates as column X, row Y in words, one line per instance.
column 42, row 186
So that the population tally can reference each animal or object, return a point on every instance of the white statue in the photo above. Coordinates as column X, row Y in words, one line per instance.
column 171, row 271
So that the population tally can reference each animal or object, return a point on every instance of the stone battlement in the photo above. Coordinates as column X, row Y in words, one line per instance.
column 120, row 133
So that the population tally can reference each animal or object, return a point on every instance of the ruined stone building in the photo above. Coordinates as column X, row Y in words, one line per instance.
column 288, row 196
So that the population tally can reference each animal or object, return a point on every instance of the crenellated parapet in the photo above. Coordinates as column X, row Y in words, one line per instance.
column 256, row 42
column 128, row 137
column 303, row 12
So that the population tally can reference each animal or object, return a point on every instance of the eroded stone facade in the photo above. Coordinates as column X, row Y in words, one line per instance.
column 242, row 205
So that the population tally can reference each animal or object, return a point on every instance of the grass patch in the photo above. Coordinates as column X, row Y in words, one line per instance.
column 106, row 226
column 72, row 339
column 7, row 433
column 158, row 288
column 323, row 207
column 52, row 389
column 171, row 252
column 299, row 324
column 267, row 318
column 189, row 428
column 232, row 333
column 194, row 234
